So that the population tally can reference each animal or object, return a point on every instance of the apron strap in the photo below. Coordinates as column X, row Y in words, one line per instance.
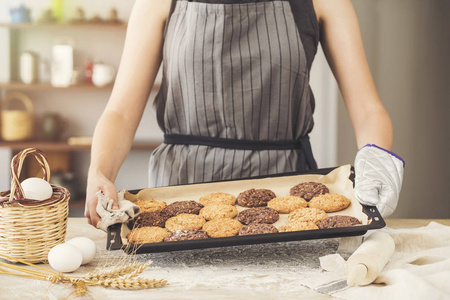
column 302, row 144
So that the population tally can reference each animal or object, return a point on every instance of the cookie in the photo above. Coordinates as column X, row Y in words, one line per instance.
column 257, row 228
column 255, row 198
column 308, row 190
column 308, row 214
column 182, row 207
column 185, row 221
column 222, row 227
column 298, row 225
column 148, row 219
column 338, row 221
column 185, row 235
column 285, row 205
column 258, row 215
column 151, row 205
column 145, row 235
column 330, row 202
column 217, row 198
column 217, row 211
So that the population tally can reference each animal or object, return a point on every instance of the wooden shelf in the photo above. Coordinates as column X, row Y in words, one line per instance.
column 84, row 26
column 63, row 146
column 49, row 87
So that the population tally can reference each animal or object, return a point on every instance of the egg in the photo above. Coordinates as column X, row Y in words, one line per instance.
column 86, row 246
column 65, row 258
column 36, row 188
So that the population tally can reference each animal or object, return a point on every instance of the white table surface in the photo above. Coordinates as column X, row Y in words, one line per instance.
column 268, row 271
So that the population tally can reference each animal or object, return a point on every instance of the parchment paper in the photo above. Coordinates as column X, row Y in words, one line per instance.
column 337, row 181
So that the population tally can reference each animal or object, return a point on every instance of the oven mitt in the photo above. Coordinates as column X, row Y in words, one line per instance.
column 127, row 210
column 378, row 178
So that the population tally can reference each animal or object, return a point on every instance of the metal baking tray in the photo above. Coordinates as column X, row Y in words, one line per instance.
column 374, row 220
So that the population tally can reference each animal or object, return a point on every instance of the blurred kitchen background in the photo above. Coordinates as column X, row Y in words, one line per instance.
column 58, row 60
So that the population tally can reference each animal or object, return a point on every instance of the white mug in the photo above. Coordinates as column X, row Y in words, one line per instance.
column 103, row 74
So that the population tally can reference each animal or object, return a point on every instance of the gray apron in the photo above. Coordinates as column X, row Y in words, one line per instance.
column 235, row 100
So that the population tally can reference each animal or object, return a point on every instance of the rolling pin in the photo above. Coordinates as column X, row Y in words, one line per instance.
column 367, row 262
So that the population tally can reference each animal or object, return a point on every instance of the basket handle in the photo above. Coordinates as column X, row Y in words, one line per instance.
column 19, row 96
column 16, row 167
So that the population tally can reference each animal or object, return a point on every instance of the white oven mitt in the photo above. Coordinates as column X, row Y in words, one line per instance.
column 378, row 178
column 127, row 210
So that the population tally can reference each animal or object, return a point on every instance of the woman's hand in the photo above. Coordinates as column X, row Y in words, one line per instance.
column 97, row 181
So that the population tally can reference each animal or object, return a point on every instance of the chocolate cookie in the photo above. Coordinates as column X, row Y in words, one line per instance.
column 257, row 228
column 217, row 211
column 182, row 207
column 298, row 225
column 185, row 221
column 308, row 190
column 222, row 227
column 147, row 235
column 338, row 221
column 148, row 219
column 186, row 235
column 308, row 214
column 285, row 205
column 217, row 198
column 258, row 215
column 255, row 198
column 330, row 202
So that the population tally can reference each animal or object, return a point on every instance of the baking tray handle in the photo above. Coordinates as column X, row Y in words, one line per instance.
column 114, row 241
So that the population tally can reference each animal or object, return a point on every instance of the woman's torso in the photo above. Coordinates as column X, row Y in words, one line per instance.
column 235, row 70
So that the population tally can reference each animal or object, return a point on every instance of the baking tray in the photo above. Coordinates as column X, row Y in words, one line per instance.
column 116, row 238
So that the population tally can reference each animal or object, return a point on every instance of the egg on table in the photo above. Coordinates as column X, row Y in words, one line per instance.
column 36, row 189
column 86, row 246
column 65, row 258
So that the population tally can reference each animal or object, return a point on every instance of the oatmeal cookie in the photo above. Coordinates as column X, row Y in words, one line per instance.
column 182, row 207
column 308, row 214
column 222, row 227
column 255, row 198
column 308, row 190
column 257, row 228
column 258, row 215
column 217, row 211
column 217, row 198
column 338, row 221
column 298, row 225
column 148, row 219
column 147, row 235
column 185, row 221
column 185, row 235
column 150, row 205
column 285, row 205
column 330, row 202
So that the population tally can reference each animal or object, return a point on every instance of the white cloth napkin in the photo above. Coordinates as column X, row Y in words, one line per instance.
column 127, row 210
column 419, row 268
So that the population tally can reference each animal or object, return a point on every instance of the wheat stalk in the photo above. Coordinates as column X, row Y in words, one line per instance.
column 123, row 277
column 131, row 269
column 130, row 282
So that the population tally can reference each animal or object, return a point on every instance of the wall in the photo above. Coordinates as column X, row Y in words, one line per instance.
column 407, row 45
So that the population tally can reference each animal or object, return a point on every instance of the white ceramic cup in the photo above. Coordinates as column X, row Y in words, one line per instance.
column 103, row 74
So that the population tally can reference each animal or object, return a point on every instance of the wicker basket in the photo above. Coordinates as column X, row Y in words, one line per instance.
column 17, row 125
column 30, row 228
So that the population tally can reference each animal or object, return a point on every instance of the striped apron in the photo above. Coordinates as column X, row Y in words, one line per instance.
column 235, row 100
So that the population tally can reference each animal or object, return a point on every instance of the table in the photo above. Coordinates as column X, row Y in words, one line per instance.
column 268, row 271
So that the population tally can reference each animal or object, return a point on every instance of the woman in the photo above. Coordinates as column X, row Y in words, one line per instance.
column 235, row 99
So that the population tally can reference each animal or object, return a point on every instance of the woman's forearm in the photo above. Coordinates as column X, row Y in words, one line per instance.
column 111, row 143
column 373, row 126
